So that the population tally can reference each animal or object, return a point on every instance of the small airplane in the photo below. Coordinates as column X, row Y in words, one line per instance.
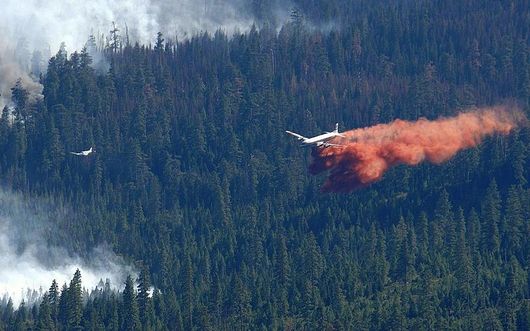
column 83, row 153
column 320, row 140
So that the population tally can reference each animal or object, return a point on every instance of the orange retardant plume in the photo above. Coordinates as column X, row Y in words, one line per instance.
column 366, row 154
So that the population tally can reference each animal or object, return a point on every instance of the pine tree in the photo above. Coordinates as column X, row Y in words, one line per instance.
column 283, row 275
column 75, row 302
column 474, row 235
column 130, row 314
column 510, row 295
column 63, row 308
column 53, row 300
column 490, row 218
column 20, row 96
column 45, row 321
column 512, row 226
column 462, row 262
column 311, row 259
column 8, row 314
column 114, row 321
column 21, row 318
column 193, row 177
column 145, row 304
column 189, row 292
column 241, row 309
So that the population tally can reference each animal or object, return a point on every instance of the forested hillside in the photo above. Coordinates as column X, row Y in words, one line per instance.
column 195, row 181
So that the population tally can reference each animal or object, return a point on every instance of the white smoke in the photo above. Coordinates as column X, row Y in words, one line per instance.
column 31, row 30
column 13, row 66
column 29, row 264
column 69, row 21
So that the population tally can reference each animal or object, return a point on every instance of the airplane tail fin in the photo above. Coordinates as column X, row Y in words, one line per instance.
column 337, row 131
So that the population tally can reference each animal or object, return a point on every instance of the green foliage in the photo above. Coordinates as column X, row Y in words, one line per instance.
column 194, row 178
column 130, row 313
column 74, row 303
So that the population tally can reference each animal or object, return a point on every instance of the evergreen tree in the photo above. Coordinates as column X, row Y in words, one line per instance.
column 145, row 304
column 74, row 303
column 193, row 177
column 462, row 262
column 45, row 321
column 513, row 224
column 130, row 312
column 63, row 307
column 53, row 301
column 490, row 218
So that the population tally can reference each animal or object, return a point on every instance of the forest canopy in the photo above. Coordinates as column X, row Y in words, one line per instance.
column 195, row 182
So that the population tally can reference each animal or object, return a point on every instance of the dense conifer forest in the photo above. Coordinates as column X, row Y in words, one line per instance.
column 195, row 182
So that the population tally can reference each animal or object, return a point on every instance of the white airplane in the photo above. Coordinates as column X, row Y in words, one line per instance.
column 320, row 140
column 84, row 153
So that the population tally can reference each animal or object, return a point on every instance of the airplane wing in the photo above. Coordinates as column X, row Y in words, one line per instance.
column 299, row 137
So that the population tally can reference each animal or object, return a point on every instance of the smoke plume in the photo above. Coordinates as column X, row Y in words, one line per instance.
column 12, row 68
column 34, row 29
column 367, row 153
column 29, row 263
column 31, row 31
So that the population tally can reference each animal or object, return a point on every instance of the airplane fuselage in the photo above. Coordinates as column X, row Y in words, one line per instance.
column 320, row 140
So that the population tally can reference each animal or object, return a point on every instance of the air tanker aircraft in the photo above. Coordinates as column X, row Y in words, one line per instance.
column 320, row 140
column 83, row 153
